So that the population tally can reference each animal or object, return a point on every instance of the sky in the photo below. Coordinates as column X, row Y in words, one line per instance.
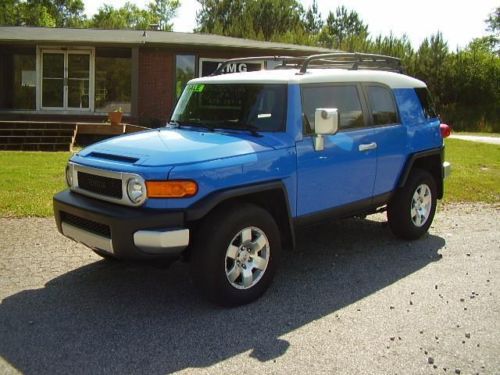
column 460, row 21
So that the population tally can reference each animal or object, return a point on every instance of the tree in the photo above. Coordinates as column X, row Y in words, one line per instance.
column 275, row 17
column 67, row 13
column 37, row 15
column 493, row 21
column 472, row 96
column 217, row 16
column 313, row 21
column 10, row 14
column 164, row 11
column 493, row 25
column 56, row 13
column 254, row 19
column 431, row 63
column 342, row 26
column 129, row 16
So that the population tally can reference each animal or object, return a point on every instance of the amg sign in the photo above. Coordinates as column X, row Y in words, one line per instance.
column 208, row 66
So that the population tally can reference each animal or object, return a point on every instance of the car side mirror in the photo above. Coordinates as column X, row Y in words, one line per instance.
column 326, row 122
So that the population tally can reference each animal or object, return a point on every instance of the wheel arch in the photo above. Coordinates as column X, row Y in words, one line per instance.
column 271, row 196
column 429, row 160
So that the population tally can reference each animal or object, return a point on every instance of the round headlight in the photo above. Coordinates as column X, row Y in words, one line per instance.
column 136, row 190
column 69, row 175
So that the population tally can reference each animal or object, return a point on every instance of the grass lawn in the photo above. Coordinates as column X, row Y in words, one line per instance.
column 28, row 180
column 475, row 171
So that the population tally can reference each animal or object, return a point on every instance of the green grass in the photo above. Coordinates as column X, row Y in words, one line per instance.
column 475, row 175
column 28, row 180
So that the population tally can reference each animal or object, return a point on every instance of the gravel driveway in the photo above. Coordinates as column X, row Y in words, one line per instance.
column 351, row 299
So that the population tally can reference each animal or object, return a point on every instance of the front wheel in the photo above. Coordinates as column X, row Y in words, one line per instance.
column 234, row 254
column 411, row 211
column 105, row 256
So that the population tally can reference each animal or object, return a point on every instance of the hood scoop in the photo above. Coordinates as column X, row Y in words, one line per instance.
column 119, row 158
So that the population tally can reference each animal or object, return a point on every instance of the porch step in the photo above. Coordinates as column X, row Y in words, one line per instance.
column 36, row 125
column 36, row 132
column 37, row 135
column 35, row 147
column 16, row 139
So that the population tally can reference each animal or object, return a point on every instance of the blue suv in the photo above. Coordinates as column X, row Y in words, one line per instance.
column 249, row 157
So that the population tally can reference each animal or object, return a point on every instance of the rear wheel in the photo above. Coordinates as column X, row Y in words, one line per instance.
column 411, row 211
column 234, row 254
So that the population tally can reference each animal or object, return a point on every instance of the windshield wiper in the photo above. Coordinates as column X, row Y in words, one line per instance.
column 173, row 124
column 189, row 124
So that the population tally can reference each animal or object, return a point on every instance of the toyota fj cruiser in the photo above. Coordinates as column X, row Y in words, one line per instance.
column 248, row 157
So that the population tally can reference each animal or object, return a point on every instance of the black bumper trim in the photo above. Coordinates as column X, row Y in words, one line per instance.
column 122, row 221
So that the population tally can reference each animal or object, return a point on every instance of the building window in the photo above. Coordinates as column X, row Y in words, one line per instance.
column 185, row 66
column 113, row 80
column 18, row 79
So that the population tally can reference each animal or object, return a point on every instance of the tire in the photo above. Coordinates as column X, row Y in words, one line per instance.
column 235, row 253
column 411, row 210
column 105, row 256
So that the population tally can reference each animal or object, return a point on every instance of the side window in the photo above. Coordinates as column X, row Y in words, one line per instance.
column 382, row 105
column 427, row 103
column 343, row 97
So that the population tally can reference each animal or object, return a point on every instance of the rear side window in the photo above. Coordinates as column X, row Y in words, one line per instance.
column 382, row 105
column 427, row 103
column 343, row 97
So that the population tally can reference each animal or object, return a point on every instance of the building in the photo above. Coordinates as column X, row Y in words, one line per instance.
column 82, row 74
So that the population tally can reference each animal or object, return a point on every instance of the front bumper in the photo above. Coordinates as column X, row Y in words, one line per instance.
column 124, row 232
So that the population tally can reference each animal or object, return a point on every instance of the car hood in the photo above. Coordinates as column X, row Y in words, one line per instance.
column 178, row 146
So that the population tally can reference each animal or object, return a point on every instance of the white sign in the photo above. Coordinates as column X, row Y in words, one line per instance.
column 208, row 66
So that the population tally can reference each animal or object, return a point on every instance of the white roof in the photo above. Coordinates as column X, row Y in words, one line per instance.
column 393, row 80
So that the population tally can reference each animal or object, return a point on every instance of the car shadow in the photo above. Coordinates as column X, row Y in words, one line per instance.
column 123, row 318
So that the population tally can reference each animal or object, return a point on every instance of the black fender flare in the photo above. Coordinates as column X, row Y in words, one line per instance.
column 203, row 207
column 414, row 158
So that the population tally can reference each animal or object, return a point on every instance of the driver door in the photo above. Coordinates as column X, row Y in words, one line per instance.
column 344, row 172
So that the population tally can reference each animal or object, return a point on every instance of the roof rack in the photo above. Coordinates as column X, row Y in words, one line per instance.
column 353, row 61
column 339, row 60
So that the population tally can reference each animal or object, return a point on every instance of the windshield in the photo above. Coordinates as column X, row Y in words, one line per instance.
column 258, row 107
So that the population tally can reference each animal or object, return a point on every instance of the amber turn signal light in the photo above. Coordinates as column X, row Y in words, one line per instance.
column 171, row 189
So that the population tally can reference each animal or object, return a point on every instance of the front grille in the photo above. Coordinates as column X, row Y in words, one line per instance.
column 110, row 187
column 88, row 225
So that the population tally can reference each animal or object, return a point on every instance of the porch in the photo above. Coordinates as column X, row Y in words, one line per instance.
column 57, row 135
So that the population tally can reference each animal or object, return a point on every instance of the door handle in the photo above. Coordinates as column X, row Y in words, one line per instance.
column 367, row 146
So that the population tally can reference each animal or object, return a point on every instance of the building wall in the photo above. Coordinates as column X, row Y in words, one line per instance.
column 156, row 79
column 153, row 82
column 155, row 86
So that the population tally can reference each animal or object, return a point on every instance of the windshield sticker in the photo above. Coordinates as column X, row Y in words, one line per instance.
column 197, row 88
